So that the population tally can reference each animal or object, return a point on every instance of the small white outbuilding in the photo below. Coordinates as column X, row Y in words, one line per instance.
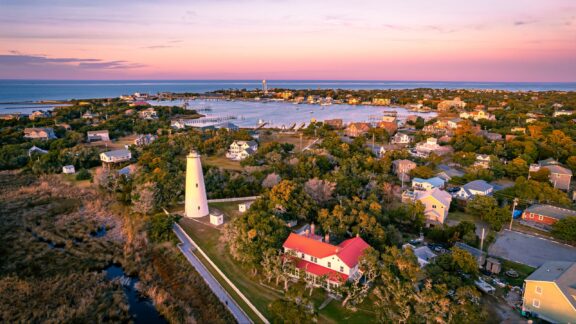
column 68, row 169
column 216, row 218
column 243, row 207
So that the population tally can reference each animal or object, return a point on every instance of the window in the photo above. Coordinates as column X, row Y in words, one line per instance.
column 536, row 303
column 303, row 256
column 196, row 185
column 540, row 217
column 434, row 206
column 329, row 265
column 531, row 215
column 341, row 269
column 198, row 207
column 539, row 290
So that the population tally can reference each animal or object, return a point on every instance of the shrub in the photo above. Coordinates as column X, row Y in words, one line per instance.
column 83, row 174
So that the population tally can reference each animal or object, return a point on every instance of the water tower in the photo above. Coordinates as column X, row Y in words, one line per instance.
column 196, row 201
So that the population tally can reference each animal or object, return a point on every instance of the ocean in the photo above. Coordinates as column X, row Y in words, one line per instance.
column 18, row 91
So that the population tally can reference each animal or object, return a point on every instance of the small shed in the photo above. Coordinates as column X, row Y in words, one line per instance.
column 68, row 169
column 243, row 207
column 493, row 265
column 216, row 217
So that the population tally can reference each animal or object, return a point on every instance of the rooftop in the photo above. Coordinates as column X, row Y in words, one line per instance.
column 348, row 251
column 560, row 272
column 552, row 211
column 478, row 185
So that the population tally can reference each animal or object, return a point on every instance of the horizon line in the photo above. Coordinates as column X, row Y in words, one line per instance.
column 291, row 80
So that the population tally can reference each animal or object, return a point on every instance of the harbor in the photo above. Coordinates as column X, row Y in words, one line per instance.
column 285, row 115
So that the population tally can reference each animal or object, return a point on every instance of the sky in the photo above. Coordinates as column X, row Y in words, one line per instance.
column 433, row 40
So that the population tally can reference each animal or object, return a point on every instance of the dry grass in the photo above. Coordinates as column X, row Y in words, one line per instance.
column 282, row 138
column 222, row 162
column 48, row 258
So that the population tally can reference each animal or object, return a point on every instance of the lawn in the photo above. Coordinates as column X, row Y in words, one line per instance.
column 260, row 295
column 523, row 271
column 222, row 162
column 462, row 216
column 208, row 239
column 293, row 139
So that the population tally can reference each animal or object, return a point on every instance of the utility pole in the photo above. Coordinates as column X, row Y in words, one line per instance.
column 513, row 210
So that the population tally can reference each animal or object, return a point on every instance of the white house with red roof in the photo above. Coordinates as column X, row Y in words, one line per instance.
column 337, row 263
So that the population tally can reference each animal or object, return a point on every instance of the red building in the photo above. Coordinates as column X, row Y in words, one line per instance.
column 546, row 214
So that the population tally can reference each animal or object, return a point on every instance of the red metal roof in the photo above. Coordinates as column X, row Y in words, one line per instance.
column 309, row 246
column 351, row 250
column 348, row 251
column 319, row 270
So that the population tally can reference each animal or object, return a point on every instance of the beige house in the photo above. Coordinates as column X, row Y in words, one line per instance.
column 446, row 105
column 357, row 129
column 436, row 205
column 550, row 292
column 477, row 115
column 402, row 166
column 560, row 177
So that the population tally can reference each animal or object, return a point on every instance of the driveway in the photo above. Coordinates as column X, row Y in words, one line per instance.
column 530, row 250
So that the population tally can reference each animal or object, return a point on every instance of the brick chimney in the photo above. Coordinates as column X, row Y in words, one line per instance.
column 312, row 229
column 327, row 238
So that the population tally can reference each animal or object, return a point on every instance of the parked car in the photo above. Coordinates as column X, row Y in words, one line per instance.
column 484, row 286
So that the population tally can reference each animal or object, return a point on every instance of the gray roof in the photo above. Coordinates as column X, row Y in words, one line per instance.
column 96, row 132
column 562, row 273
column 551, row 211
column 117, row 153
column 451, row 172
column 478, row 185
column 548, row 161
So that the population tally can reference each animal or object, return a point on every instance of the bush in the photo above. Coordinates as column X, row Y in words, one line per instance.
column 565, row 229
column 83, row 174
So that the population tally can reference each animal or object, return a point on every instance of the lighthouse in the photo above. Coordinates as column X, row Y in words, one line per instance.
column 196, row 201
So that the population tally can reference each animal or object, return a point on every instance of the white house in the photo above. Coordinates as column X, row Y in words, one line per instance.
column 400, row 138
column 243, row 207
column 115, row 156
column 427, row 184
column 475, row 188
column 148, row 113
column 317, row 259
column 68, row 169
column 482, row 161
column 431, row 145
column 240, row 150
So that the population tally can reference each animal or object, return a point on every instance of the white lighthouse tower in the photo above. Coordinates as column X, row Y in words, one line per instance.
column 264, row 87
column 196, row 201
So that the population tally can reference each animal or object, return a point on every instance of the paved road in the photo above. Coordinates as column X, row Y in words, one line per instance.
column 218, row 290
column 530, row 250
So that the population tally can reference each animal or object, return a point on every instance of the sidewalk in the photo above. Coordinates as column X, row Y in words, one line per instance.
column 187, row 247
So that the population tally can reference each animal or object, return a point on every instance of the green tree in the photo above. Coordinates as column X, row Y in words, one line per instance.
column 83, row 174
column 565, row 229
